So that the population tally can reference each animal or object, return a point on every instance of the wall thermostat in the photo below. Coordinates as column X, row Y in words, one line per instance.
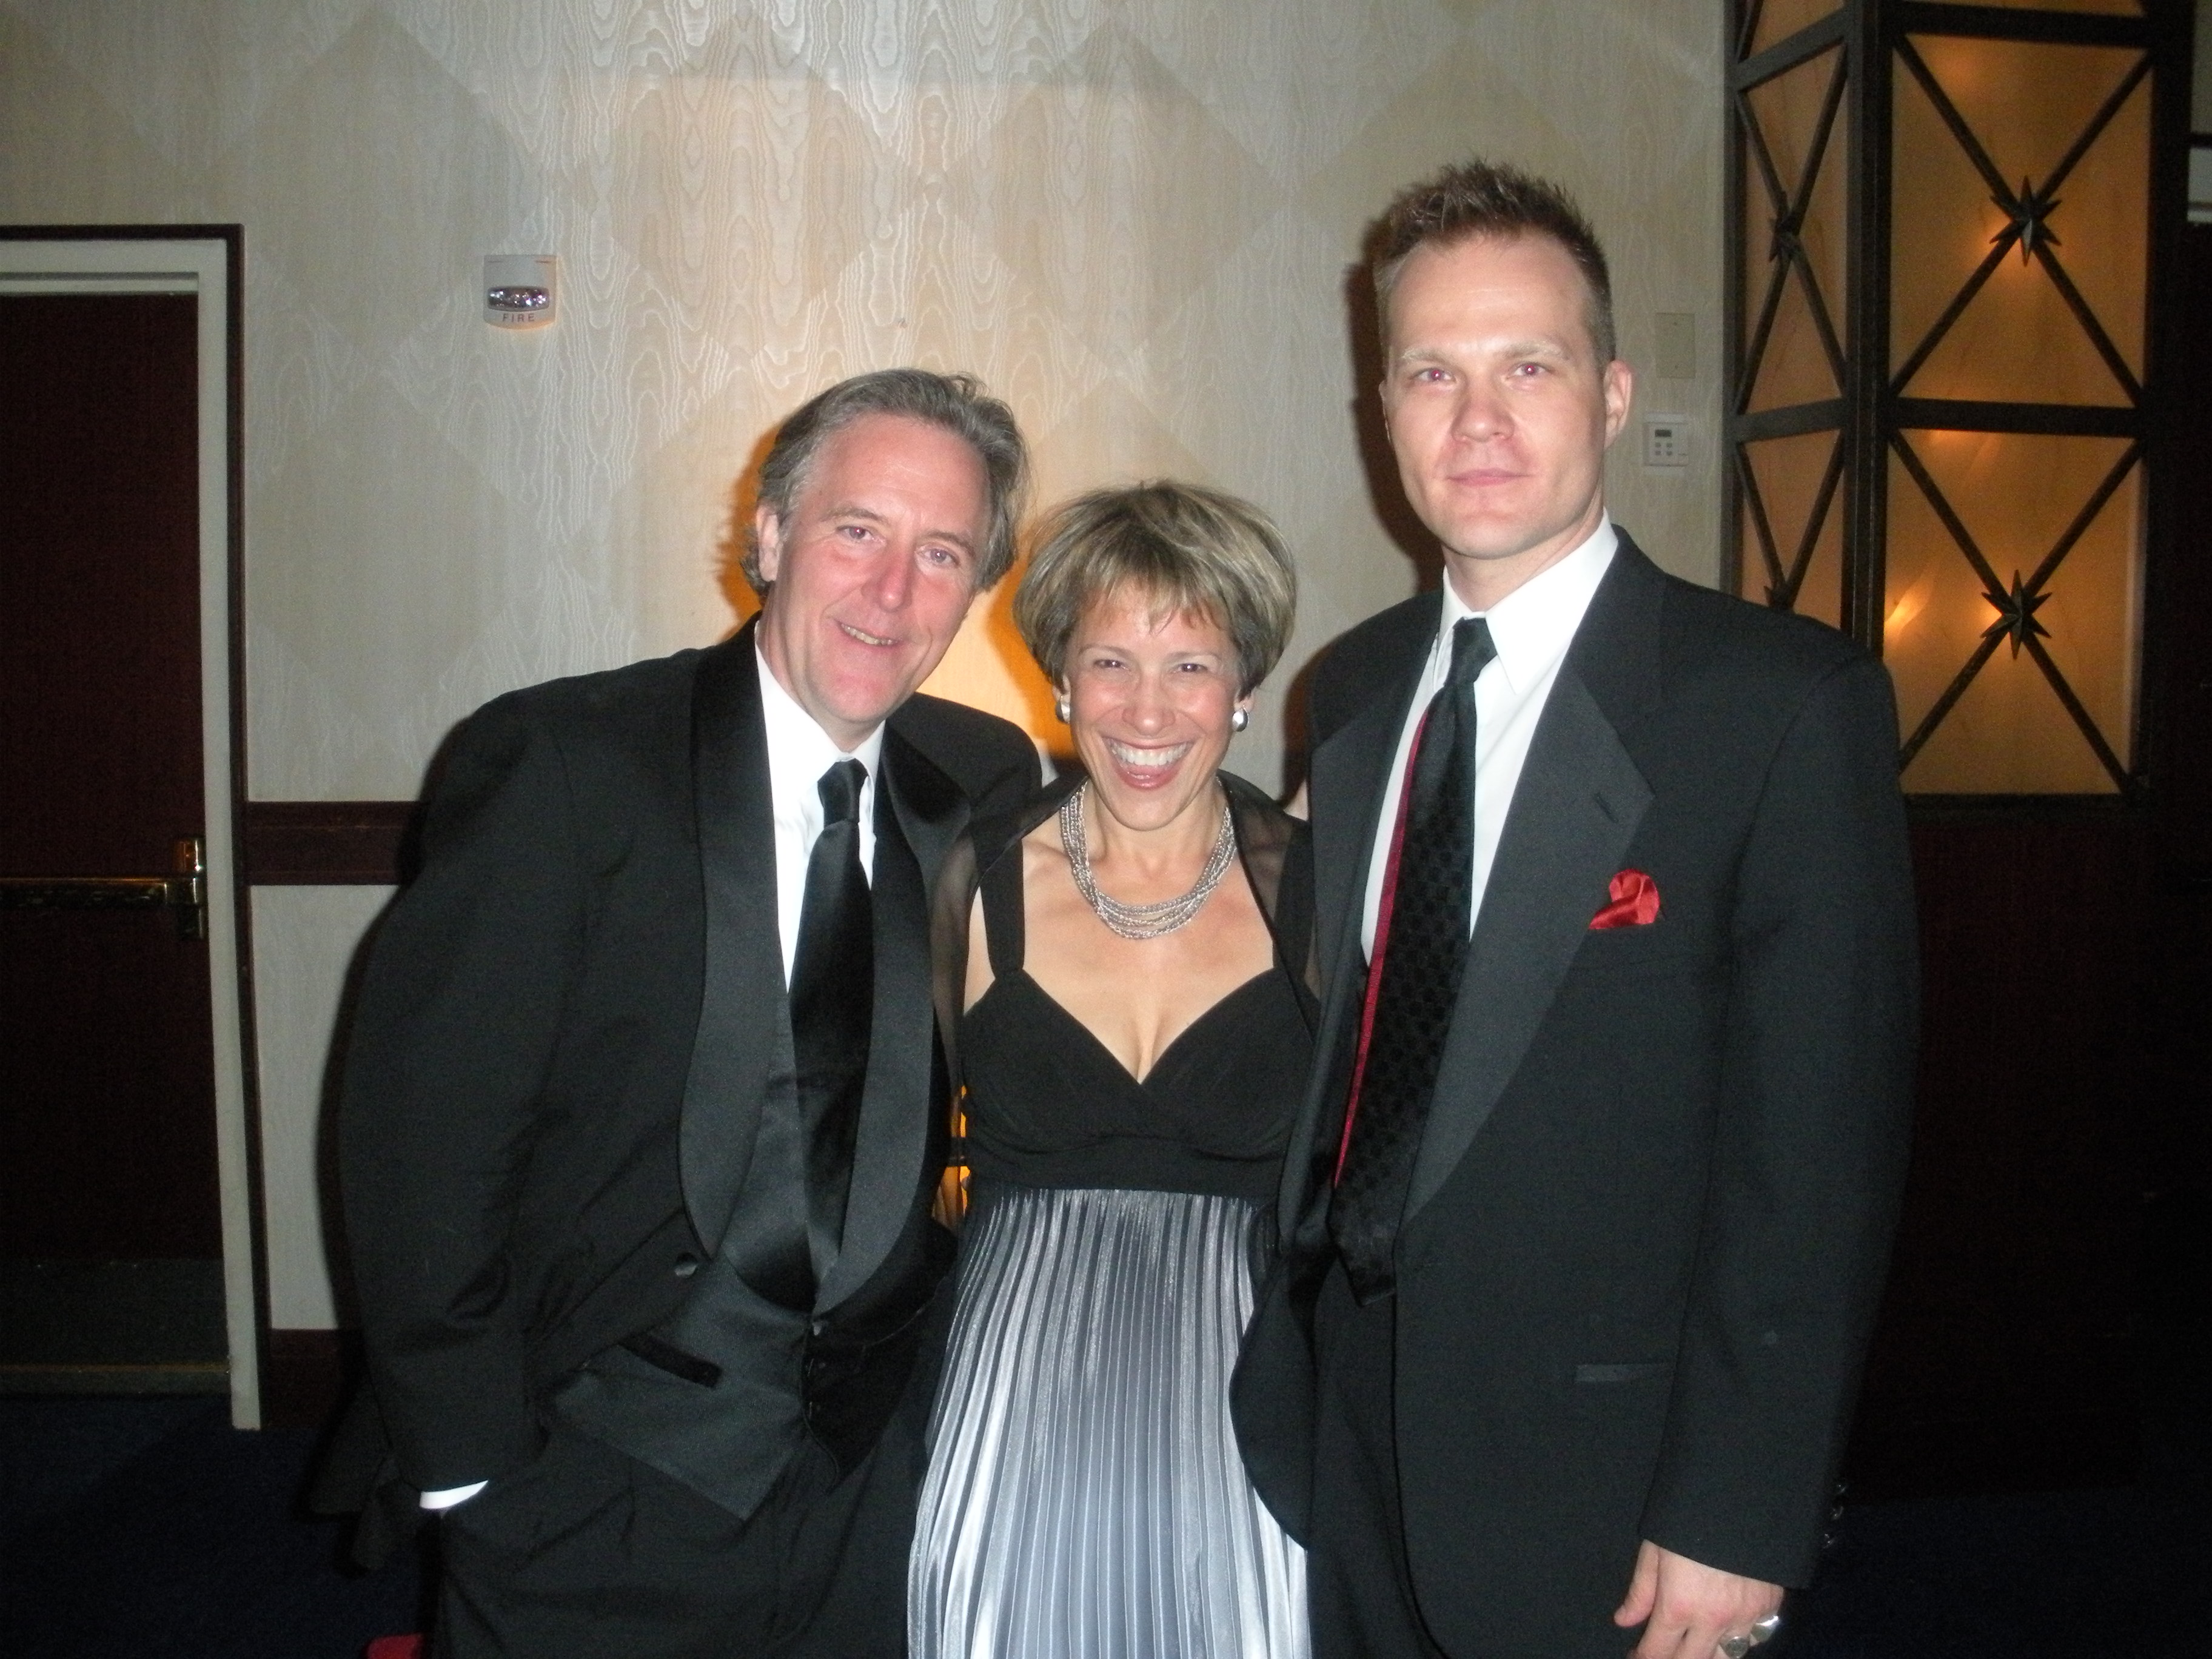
column 521, row 290
column 1666, row 441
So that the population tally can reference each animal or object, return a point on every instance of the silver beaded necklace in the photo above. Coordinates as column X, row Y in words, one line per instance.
column 1141, row 920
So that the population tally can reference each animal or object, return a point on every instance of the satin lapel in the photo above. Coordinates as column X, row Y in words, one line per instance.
column 742, row 1048
column 1574, row 810
column 926, row 813
column 1350, row 770
column 1349, row 773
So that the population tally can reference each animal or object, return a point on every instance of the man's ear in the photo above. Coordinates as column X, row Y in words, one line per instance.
column 767, row 541
column 1619, row 389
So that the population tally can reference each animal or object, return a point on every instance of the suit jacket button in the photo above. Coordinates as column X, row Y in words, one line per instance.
column 686, row 1265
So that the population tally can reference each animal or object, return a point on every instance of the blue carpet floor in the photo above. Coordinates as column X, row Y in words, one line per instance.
column 149, row 1529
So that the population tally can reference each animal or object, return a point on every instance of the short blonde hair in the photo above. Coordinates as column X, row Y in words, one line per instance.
column 1192, row 550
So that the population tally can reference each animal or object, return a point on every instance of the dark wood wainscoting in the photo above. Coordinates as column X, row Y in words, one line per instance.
column 327, row 843
column 2006, row 1355
column 308, row 1375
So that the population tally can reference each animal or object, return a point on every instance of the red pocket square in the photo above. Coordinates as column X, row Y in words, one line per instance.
column 1635, row 902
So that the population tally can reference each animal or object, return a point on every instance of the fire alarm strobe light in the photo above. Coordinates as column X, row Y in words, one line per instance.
column 521, row 290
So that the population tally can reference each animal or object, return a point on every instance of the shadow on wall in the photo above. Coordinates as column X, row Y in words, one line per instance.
column 737, row 589
column 1363, row 342
column 1386, row 498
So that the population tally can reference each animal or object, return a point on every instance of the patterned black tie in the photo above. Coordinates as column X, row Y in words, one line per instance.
column 1420, row 948
column 833, row 983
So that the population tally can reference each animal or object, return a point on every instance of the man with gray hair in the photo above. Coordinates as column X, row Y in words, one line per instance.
column 643, row 1106
column 1585, row 1219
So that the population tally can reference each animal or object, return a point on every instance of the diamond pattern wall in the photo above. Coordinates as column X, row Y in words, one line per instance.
column 1133, row 218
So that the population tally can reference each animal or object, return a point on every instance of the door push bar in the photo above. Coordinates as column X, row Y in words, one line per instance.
column 183, row 893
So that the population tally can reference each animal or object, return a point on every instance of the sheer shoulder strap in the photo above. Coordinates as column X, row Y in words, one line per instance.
column 950, row 904
column 997, row 849
column 1277, row 852
column 1005, row 925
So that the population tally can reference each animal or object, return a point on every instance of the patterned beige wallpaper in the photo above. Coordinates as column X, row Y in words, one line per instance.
column 1132, row 217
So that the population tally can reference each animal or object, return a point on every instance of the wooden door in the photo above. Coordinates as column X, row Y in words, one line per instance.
column 110, row 1233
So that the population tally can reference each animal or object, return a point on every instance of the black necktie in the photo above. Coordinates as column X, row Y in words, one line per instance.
column 1412, row 986
column 833, row 983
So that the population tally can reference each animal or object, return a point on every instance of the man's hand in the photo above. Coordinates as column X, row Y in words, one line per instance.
column 1686, row 1608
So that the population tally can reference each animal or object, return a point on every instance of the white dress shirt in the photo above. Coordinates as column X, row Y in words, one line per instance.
column 1532, row 628
column 798, row 752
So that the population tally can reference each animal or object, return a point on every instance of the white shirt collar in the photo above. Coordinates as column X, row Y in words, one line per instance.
column 798, row 750
column 1532, row 625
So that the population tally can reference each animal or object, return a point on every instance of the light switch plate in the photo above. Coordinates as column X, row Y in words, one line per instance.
column 1675, row 345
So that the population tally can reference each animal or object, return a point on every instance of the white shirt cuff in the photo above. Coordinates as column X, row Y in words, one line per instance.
column 452, row 1495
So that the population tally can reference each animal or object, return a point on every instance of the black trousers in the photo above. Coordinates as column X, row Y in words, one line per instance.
column 587, row 1551
column 1357, row 1582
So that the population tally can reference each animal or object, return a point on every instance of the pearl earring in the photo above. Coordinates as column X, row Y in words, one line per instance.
column 1063, row 710
column 1239, row 719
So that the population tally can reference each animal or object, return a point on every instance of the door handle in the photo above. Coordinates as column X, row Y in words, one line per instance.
column 183, row 893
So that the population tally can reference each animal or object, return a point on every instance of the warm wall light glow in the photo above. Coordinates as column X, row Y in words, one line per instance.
column 1938, row 414
column 2027, row 104
column 989, row 668
column 2011, row 558
column 1910, row 605
column 2007, row 728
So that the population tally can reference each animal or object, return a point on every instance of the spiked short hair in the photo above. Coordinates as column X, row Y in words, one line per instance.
column 1479, row 198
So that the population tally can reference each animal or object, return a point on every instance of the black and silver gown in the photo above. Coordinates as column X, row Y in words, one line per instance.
column 1084, row 1497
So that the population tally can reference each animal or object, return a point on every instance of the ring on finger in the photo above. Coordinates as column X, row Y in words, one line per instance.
column 1735, row 1647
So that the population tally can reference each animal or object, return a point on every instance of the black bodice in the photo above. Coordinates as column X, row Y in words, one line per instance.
column 1049, row 1106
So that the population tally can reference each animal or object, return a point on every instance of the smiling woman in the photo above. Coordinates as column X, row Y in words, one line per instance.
column 1134, row 1040
column 1154, row 610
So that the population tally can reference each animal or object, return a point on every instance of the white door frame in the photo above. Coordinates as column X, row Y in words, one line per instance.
column 203, row 260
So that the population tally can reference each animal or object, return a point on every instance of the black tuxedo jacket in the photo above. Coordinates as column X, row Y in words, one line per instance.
column 566, row 1025
column 1650, row 1217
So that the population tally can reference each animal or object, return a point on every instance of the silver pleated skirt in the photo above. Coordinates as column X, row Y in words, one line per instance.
column 1084, row 1497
